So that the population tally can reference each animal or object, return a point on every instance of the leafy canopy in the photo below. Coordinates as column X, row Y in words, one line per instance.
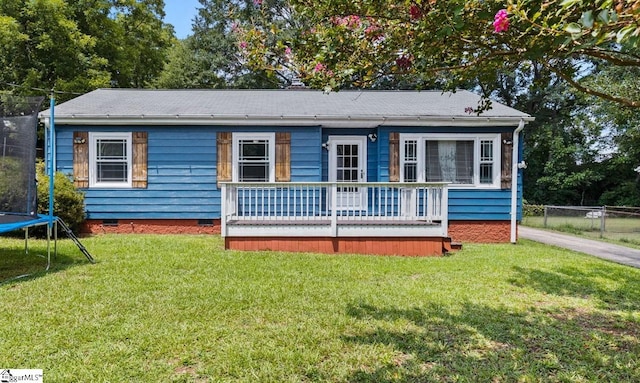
column 337, row 43
column 79, row 45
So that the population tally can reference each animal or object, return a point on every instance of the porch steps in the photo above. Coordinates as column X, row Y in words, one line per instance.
column 448, row 246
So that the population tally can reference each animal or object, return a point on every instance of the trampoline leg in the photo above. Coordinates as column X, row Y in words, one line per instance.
column 55, row 239
column 48, row 247
column 26, row 240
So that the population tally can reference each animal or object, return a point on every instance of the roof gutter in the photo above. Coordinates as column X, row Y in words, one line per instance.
column 253, row 120
column 514, row 181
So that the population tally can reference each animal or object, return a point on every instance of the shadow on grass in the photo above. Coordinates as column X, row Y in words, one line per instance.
column 479, row 343
column 16, row 265
column 613, row 288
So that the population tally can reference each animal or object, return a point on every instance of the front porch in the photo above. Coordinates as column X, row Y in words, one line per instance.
column 334, row 217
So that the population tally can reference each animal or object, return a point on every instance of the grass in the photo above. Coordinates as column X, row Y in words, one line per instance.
column 181, row 309
column 622, row 231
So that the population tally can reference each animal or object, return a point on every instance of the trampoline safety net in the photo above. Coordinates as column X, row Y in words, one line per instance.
column 18, row 135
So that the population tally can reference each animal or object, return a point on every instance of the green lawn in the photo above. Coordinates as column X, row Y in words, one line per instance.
column 624, row 231
column 181, row 309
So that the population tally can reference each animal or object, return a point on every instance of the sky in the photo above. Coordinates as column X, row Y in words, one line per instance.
column 180, row 14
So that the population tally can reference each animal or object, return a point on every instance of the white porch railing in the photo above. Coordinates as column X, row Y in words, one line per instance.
column 333, row 204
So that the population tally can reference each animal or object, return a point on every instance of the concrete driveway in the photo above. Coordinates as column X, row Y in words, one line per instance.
column 604, row 250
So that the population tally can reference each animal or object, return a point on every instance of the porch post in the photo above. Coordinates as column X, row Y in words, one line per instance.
column 444, row 209
column 223, row 210
column 334, row 210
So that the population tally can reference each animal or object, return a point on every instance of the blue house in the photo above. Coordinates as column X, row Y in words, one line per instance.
column 383, row 172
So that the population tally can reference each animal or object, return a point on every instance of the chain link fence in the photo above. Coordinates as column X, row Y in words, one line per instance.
column 620, row 223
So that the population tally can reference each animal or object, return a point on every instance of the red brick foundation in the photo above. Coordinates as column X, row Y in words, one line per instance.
column 459, row 231
column 480, row 231
column 149, row 226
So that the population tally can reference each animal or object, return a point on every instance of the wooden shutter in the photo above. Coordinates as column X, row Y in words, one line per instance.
column 224, row 144
column 507, row 158
column 394, row 157
column 283, row 157
column 81, row 159
column 139, row 160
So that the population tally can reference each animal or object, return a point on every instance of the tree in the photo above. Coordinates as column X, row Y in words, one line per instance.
column 450, row 42
column 76, row 46
column 622, row 128
column 212, row 56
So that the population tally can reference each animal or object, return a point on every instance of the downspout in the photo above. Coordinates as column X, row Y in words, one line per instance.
column 514, row 181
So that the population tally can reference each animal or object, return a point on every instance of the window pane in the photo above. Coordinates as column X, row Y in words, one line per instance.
column 449, row 161
column 486, row 151
column 486, row 173
column 254, row 173
column 464, row 162
column 111, row 160
column 254, row 149
column 410, row 173
column 112, row 149
column 410, row 149
column 253, row 164
column 112, row 172
column 410, row 161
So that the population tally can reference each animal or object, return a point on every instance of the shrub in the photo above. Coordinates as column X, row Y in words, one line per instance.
column 532, row 210
column 68, row 201
column 13, row 192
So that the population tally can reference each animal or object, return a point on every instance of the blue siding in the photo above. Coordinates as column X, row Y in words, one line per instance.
column 181, row 171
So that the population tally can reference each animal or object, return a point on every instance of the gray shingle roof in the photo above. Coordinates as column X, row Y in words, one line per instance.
column 270, row 104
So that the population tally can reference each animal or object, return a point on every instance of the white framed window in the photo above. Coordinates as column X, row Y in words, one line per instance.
column 110, row 160
column 465, row 160
column 254, row 157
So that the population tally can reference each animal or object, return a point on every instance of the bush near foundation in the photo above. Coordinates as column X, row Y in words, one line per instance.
column 532, row 210
column 68, row 201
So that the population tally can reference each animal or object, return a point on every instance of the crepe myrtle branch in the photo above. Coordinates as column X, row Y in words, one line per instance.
column 620, row 100
column 617, row 58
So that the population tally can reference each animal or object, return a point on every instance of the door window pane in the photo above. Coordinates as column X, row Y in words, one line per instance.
column 411, row 161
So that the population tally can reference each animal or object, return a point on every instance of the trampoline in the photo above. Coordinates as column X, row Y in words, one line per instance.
column 18, row 185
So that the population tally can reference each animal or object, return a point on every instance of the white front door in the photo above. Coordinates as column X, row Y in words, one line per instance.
column 348, row 163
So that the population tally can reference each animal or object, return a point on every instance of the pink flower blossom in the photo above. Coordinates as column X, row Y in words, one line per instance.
column 351, row 21
column 257, row 3
column 243, row 45
column 501, row 21
column 415, row 12
column 319, row 68
column 468, row 110
column 287, row 51
column 404, row 62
